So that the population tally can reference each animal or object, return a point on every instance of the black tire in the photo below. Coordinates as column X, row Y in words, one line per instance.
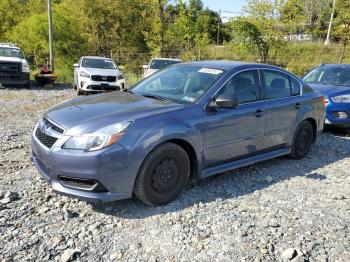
column 79, row 92
column 27, row 85
column 303, row 139
column 163, row 175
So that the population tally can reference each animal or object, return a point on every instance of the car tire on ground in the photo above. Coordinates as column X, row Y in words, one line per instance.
column 303, row 139
column 163, row 175
column 27, row 85
column 79, row 92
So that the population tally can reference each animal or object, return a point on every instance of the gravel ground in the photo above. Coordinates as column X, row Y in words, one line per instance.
column 277, row 210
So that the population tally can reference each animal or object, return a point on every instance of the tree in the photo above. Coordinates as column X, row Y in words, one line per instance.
column 11, row 13
column 292, row 16
column 342, row 21
column 69, row 44
column 259, row 30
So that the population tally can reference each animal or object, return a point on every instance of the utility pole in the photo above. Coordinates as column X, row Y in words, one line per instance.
column 330, row 25
column 52, row 55
column 218, row 35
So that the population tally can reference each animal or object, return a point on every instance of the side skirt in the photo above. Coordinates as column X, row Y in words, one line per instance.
column 243, row 162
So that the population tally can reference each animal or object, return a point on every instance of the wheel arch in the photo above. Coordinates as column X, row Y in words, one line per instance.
column 189, row 149
column 313, row 122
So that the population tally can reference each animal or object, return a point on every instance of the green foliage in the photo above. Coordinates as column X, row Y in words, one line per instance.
column 11, row 13
column 259, row 30
column 132, row 31
column 69, row 44
column 342, row 28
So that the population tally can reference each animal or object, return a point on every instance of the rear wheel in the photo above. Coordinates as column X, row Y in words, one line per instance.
column 27, row 85
column 79, row 92
column 302, row 141
column 163, row 175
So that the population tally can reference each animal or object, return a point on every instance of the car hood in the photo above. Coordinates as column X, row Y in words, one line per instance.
column 99, row 71
column 330, row 90
column 11, row 59
column 85, row 115
column 150, row 72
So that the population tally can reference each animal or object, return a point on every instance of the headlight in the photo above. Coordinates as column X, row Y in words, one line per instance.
column 341, row 99
column 25, row 67
column 102, row 138
column 84, row 74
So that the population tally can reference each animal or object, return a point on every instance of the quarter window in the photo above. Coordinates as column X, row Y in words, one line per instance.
column 295, row 86
column 277, row 85
column 243, row 86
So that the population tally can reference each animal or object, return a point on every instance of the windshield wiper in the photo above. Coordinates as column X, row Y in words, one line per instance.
column 128, row 91
column 156, row 97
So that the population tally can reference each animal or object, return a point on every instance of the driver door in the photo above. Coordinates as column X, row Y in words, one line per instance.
column 234, row 133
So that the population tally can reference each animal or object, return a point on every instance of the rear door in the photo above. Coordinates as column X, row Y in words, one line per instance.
column 281, row 93
column 234, row 133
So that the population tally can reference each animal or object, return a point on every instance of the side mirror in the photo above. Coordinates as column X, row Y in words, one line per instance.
column 145, row 66
column 75, row 65
column 224, row 101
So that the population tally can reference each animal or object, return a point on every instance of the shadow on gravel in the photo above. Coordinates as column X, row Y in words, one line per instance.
column 34, row 86
column 337, row 131
column 240, row 182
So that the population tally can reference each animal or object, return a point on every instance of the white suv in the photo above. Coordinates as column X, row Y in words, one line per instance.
column 14, row 69
column 97, row 74
column 157, row 64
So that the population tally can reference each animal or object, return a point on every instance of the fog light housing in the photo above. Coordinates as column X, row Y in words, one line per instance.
column 340, row 115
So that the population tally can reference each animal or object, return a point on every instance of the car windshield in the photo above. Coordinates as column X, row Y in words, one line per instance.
column 182, row 84
column 161, row 63
column 11, row 52
column 329, row 76
column 98, row 63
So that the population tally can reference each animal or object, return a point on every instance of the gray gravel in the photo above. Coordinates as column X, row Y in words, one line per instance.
column 280, row 209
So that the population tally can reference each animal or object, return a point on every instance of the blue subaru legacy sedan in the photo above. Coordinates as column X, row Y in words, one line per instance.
column 333, row 81
column 191, row 120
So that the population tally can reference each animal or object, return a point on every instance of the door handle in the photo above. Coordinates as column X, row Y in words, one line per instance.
column 298, row 105
column 259, row 113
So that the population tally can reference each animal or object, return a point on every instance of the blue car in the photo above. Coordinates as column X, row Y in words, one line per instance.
column 333, row 81
column 189, row 121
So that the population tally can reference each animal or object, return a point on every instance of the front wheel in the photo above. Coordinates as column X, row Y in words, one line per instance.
column 163, row 175
column 27, row 85
column 79, row 92
column 302, row 141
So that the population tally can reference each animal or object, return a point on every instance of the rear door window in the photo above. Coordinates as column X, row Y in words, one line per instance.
column 276, row 84
column 244, row 86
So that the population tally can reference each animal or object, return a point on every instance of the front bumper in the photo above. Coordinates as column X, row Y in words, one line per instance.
column 14, row 78
column 110, row 167
column 333, row 110
column 88, row 85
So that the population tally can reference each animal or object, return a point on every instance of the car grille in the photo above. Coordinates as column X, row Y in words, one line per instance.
column 103, row 88
column 103, row 78
column 45, row 139
column 10, row 67
column 53, row 126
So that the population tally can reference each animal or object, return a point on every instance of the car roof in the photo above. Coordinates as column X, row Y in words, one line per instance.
column 9, row 45
column 228, row 65
column 336, row 65
column 97, row 57
column 165, row 58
